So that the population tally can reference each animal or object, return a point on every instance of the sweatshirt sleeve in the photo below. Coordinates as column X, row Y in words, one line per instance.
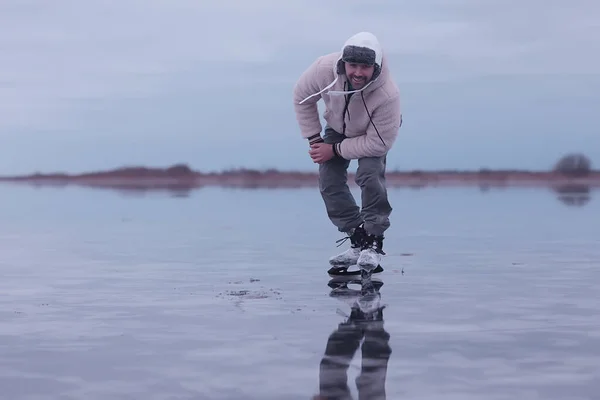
column 307, row 113
column 388, row 119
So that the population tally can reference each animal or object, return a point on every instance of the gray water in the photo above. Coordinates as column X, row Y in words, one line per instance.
column 222, row 294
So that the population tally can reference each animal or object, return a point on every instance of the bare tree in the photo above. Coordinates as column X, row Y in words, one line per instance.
column 574, row 164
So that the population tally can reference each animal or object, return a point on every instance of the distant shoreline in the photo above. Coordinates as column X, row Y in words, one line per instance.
column 182, row 177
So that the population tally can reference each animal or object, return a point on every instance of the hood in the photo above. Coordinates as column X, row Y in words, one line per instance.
column 365, row 45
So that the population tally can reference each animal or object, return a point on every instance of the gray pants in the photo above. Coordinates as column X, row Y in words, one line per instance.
column 339, row 202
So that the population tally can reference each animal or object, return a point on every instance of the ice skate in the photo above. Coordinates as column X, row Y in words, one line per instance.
column 369, row 301
column 341, row 291
column 350, row 256
column 349, row 272
column 371, row 254
column 357, row 293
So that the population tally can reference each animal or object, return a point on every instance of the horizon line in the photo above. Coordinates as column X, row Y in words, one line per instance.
column 185, row 169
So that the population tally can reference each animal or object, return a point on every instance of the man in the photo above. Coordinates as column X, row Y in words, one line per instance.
column 362, row 111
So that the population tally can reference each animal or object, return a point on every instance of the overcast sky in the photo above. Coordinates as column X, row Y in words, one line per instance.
column 88, row 85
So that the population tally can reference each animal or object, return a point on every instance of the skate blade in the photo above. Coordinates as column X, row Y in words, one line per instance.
column 354, row 273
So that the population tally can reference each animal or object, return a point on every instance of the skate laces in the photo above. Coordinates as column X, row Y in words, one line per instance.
column 342, row 240
column 357, row 237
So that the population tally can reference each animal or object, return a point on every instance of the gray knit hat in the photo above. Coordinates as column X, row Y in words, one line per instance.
column 358, row 55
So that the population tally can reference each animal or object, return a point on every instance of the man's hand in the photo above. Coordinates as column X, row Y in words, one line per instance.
column 321, row 152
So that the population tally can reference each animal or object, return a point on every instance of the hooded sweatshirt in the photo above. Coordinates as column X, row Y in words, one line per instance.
column 371, row 118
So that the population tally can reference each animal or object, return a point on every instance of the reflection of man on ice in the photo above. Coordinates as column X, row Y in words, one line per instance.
column 365, row 322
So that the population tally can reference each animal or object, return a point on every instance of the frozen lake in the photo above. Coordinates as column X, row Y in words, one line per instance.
column 222, row 294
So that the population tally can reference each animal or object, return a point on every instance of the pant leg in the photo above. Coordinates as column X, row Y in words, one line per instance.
column 376, row 353
column 333, row 369
column 341, row 206
column 376, row 209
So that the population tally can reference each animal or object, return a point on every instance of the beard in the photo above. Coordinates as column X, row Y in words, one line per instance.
column 357, row 81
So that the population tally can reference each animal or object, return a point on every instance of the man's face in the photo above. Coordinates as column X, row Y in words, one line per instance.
column 359, row 74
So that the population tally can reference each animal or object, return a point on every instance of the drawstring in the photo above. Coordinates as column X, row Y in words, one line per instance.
column 371, row 119
column 342, row 92
column 321, row 91
column 337, row 92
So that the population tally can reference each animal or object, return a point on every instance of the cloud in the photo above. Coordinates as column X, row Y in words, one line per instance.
column 475, row 37
column 66, row 64
column 56, row 53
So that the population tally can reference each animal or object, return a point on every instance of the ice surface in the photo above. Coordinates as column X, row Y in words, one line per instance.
column 222, row 294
